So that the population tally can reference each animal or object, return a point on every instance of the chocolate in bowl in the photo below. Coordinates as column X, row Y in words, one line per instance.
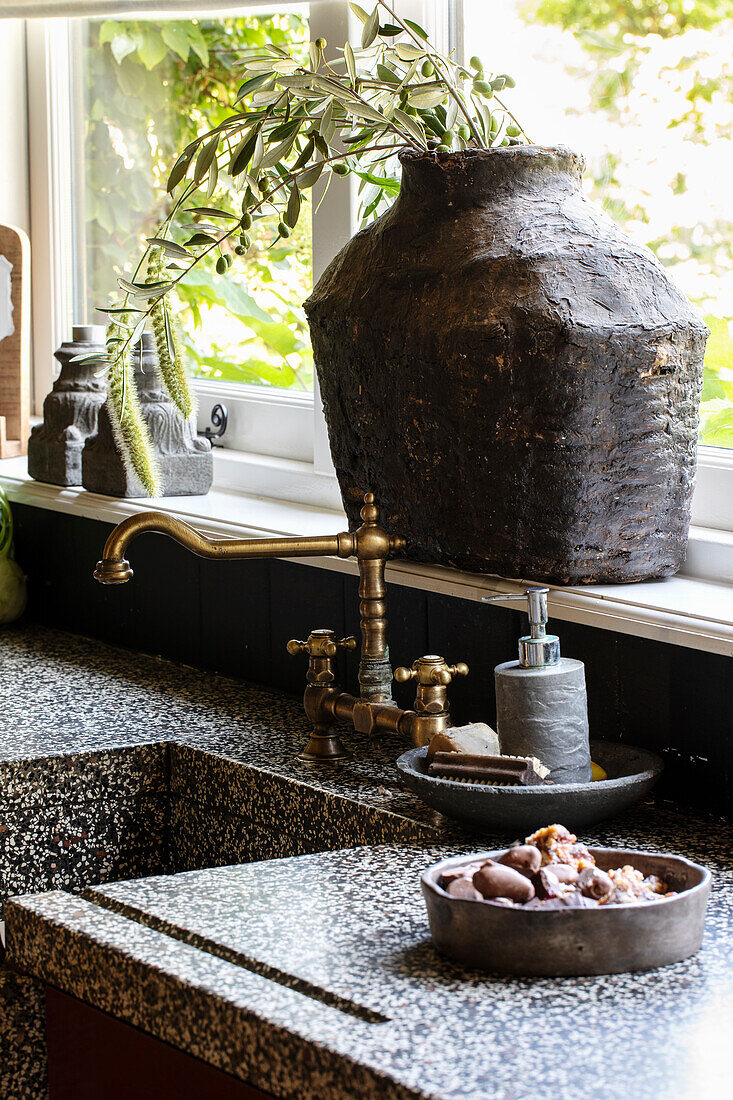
column 604, row 939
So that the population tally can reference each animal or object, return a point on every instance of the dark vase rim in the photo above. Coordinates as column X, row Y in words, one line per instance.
column 521, row 151
column 504, row 155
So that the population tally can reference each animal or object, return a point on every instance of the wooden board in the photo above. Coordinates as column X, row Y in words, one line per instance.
column 15, row 255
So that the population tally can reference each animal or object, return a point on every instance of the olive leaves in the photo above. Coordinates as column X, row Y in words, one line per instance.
column 295, row 125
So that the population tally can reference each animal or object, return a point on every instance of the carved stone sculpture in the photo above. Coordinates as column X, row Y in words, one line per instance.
column 70, row 411
column 184, row 459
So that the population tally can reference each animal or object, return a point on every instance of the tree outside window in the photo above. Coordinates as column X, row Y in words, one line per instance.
column 148, row 89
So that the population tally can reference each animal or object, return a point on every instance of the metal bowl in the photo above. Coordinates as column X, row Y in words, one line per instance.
column 632, row 772
column 559, row 943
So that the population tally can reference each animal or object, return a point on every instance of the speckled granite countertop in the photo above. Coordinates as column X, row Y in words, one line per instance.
column 315, row 977
column 114, row 765
column 311, row 976
column 62, row 696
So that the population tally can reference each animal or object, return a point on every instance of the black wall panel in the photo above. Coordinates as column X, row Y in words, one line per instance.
column 236, row 618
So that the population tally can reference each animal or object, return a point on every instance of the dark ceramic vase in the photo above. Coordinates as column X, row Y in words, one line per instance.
column 516, row 380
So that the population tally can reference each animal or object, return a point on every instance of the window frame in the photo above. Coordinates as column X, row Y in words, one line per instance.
column 287, row 427
column 49, row 144
column 285, row 424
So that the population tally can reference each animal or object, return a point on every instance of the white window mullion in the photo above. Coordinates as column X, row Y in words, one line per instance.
column 712, row 505
column 336, row 220
column 50, row 151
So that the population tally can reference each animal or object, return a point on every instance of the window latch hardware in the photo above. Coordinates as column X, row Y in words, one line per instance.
column 220, row 419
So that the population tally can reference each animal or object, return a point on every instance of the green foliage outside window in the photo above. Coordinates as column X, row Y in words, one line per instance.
column 151, row 88
column 618, row 37
column 613, row 19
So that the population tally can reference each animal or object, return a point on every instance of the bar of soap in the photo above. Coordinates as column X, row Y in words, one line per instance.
column 475, row 739
column 506, row 771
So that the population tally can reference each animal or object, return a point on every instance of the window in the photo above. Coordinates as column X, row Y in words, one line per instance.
column 645, row 92
column 646, row 97
column 137, row 88
column 142, row 90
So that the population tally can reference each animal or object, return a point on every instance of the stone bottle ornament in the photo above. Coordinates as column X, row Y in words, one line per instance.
column 183, row 458
column 70, row 411
column 514, row 377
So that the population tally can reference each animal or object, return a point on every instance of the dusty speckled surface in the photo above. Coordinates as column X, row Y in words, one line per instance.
column 22, row 1037
column 66, row 698
column 114, row 765
column 329, row 954
column 312, row 977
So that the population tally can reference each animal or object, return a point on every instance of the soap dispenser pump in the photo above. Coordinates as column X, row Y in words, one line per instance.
column 541, row 702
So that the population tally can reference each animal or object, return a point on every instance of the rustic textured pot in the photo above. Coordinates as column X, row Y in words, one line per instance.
column 515, row 378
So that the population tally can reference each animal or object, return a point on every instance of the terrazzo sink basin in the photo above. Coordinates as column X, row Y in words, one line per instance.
column 77, row 819
column 609, row 939
column 632, row 772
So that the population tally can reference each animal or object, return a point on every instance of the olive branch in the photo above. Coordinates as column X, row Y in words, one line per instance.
column 293, row 125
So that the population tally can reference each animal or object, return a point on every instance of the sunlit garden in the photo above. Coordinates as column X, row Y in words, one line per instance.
column 658, row 78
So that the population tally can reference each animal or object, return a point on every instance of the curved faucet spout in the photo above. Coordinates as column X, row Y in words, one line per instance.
column 115, row 569
column 370, row 544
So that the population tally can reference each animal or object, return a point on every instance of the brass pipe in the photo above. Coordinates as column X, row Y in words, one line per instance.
column 115, row 569
column 373, row 547
column 373, row 718
column 366, row 717
column 370, row 544
column 431, row 714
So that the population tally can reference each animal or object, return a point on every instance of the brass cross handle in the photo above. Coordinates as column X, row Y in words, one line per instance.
column 432, row 676
column 321, row 643
column 431, row 670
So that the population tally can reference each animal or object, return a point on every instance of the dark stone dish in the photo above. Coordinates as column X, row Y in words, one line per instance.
column 609, row 939
column 632, row 772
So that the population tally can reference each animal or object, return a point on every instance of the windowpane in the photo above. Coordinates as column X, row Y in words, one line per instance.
column 144, row 89
column 645, row 92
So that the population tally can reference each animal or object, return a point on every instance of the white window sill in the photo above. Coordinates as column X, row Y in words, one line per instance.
column 683, row 610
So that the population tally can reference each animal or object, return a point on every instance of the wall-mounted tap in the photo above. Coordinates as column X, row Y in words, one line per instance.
column 325, row 703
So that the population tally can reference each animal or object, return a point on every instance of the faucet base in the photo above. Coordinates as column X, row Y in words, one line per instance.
column 324, row 747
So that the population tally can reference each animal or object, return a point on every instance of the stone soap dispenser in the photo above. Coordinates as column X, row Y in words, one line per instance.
column 541, row 703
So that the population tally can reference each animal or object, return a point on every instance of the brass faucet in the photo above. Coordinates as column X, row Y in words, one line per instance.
column 325, row 704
